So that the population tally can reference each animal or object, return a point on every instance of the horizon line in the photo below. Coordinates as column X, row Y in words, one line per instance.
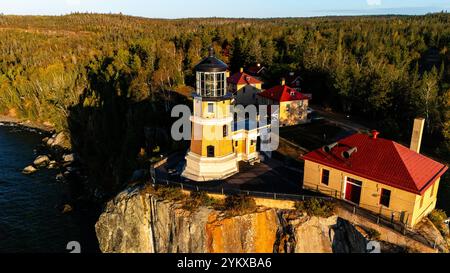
column 225, row 17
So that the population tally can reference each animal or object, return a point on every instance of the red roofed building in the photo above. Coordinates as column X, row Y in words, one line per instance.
column 244, row 87
column 293, row 105
column 377, row 174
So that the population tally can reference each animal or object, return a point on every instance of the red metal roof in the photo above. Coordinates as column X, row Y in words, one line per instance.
column 283, row 93
column 383, row 161
column 243, row 78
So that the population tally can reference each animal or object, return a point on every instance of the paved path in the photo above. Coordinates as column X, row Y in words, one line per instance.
column 340, row 119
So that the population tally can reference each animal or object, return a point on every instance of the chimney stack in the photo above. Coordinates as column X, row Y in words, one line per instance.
column 241, row 70
column 283, row 81
column 416, row 139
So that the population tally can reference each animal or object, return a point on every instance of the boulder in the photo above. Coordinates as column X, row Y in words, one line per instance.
column 60, row 177
column 69, row 158
column 41, row 161
column 50, row 141
column 67, row 208
column 29, row 170
column 52, row 164
column 62, row 140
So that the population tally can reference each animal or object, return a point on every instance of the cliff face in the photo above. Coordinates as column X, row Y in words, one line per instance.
column 136, row 221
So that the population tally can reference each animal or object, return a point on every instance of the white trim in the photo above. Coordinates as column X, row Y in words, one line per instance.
column 345, row 188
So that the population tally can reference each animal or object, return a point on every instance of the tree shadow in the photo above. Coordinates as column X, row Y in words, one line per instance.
column 114, row 131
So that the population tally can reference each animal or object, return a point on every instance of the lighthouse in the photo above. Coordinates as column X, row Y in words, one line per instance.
column 211, row 155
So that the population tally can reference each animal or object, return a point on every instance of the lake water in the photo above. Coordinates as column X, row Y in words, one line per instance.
column 30, row 206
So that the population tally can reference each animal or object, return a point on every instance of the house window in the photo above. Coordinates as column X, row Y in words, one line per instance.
column 210, row 107
column 385, row 198
column 210, row 151
column 236, row 143
column 325, row 177
column 225, row 131
column 252, row 142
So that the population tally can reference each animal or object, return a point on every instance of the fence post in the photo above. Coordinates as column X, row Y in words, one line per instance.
column 222, row 191
column 274, row 196
column 378, row 219
column 354, row 209
column 196, row 187
column 181, row 186
column 167, row 182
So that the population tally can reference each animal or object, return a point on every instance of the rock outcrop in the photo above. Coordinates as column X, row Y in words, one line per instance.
column 138, row 222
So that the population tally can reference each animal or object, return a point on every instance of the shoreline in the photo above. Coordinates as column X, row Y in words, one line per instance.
column 27, row 124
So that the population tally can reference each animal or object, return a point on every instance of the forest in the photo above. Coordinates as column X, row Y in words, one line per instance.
column 104, row 77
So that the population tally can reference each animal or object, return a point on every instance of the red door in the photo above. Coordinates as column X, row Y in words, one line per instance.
column 353, row 190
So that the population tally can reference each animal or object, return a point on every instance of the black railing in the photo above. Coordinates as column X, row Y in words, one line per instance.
column 234, row 191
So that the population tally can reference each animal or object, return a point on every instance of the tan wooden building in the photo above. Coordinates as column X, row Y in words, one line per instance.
column 377, row 174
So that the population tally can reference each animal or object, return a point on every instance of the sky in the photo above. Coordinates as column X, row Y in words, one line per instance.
column 224, row 8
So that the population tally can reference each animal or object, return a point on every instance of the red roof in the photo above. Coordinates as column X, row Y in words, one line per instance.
column 383, row 161
column 243, row 78
column 283, row 93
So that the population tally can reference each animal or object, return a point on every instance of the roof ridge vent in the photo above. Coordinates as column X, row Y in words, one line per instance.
column 347, row 154
column 328, row 148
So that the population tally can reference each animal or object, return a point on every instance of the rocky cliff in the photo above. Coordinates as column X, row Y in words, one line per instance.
column 137, row 221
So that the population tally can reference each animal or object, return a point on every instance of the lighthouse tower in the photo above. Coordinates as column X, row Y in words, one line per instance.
column 211, row 155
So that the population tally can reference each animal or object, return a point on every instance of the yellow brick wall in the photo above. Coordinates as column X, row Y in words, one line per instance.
column 370, row 193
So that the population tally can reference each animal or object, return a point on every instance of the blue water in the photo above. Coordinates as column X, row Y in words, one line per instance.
column 30, row 206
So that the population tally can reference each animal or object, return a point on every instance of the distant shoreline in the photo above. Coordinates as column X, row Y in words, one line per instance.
column 26, row 124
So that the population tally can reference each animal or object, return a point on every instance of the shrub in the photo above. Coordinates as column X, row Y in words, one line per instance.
column 437, row 217
column 197, row 199
column 373, row 234
column 316, row 207
column 169, row 193
column 239, row 204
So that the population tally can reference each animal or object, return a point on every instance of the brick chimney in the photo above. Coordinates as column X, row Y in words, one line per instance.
column 241, row 70
column 283, row 81
column 416, row 139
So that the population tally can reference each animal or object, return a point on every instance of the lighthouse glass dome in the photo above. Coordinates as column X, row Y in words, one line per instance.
column 211, row 76
column 211, row 84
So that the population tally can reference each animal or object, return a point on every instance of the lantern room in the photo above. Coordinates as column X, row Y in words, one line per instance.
column 211, row 77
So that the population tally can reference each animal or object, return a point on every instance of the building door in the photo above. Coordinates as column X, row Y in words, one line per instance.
column 353, row 190
column 210, row 151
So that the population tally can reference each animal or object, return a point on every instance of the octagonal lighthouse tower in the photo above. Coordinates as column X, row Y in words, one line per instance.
column 211, row 155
